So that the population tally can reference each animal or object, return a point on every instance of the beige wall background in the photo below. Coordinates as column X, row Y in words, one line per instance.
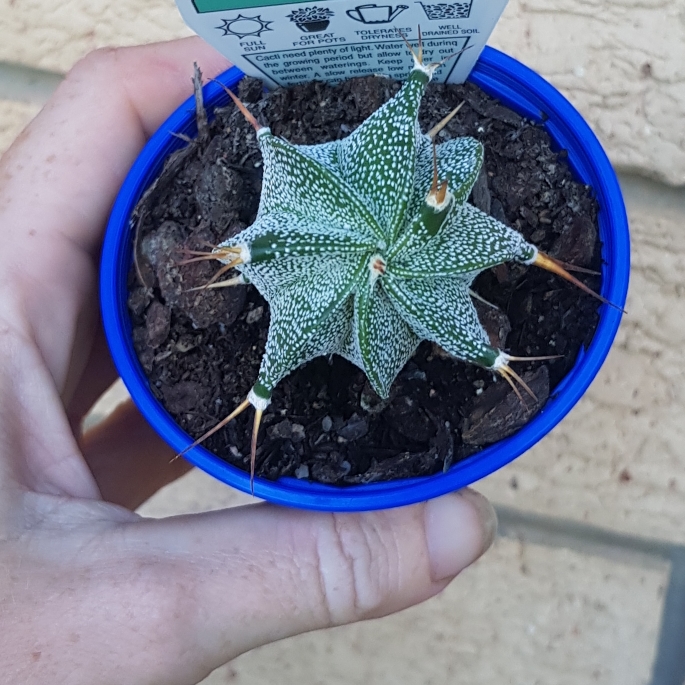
column 621, row 62
column 546, row 606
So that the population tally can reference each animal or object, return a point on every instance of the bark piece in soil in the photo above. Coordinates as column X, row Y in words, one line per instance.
column 498, row 413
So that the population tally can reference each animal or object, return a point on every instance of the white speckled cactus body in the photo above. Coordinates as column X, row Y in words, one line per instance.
column 366, row 246
column 357, row 254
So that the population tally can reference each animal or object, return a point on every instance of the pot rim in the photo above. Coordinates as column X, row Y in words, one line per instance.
column 522, row 90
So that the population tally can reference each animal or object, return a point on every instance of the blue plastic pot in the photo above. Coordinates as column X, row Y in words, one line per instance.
column 522, row 90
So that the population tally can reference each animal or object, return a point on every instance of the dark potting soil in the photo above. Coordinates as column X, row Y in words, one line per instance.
column 202, row 349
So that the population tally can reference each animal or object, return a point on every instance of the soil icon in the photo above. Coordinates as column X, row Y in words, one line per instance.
column 311, row 19
column 443, row 10
column 242, row 27
column 375, row 14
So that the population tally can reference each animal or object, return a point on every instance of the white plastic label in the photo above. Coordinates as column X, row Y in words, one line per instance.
column 284, row 42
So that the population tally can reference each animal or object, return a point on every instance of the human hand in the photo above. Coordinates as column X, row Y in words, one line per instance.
column 90, row 592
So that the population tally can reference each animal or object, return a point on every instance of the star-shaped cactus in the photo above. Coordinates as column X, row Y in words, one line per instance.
column 366, row 246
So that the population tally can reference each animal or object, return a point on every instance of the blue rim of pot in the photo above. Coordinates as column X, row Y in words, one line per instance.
column 516, row 86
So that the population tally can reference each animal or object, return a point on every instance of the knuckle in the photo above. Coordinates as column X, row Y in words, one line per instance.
column 93, row 63
column 97, row 70
column 358, row 563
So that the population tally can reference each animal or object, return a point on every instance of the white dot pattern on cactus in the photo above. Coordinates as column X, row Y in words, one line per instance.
column 383, row 174
column 384, row 339
column 332, row 215
column 484, row 242
column 462, row 336
column 305, row 320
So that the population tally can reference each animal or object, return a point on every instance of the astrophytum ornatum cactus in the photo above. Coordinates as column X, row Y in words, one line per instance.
column 366, row 246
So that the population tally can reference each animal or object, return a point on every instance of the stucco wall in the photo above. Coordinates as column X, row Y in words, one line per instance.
column 621, row 62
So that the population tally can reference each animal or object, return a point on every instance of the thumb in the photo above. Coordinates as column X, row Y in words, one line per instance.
column 259, row 573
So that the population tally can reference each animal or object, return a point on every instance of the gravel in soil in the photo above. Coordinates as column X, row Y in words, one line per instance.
column 201, row 349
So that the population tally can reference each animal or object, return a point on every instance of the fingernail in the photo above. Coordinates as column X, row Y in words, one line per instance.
column 459, row 528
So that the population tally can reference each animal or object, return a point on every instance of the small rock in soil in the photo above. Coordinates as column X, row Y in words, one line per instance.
column 298, row 433
column 532, row 218
column 283, row 429
column 357, row 427
column 157, row 323
column 497, row 211
column 254, row 315
column 302, row 472
column 138, row 299
column 216, row 191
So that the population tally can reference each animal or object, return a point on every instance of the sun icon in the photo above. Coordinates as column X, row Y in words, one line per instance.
column 242, row 27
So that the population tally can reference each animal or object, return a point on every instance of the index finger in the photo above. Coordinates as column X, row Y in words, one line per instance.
column 85, row 139
column 59, row 179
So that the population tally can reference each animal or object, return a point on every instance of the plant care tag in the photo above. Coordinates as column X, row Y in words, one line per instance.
column 285, row 42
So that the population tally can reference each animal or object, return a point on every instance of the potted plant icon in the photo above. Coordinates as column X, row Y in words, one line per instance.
column 311, row 19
